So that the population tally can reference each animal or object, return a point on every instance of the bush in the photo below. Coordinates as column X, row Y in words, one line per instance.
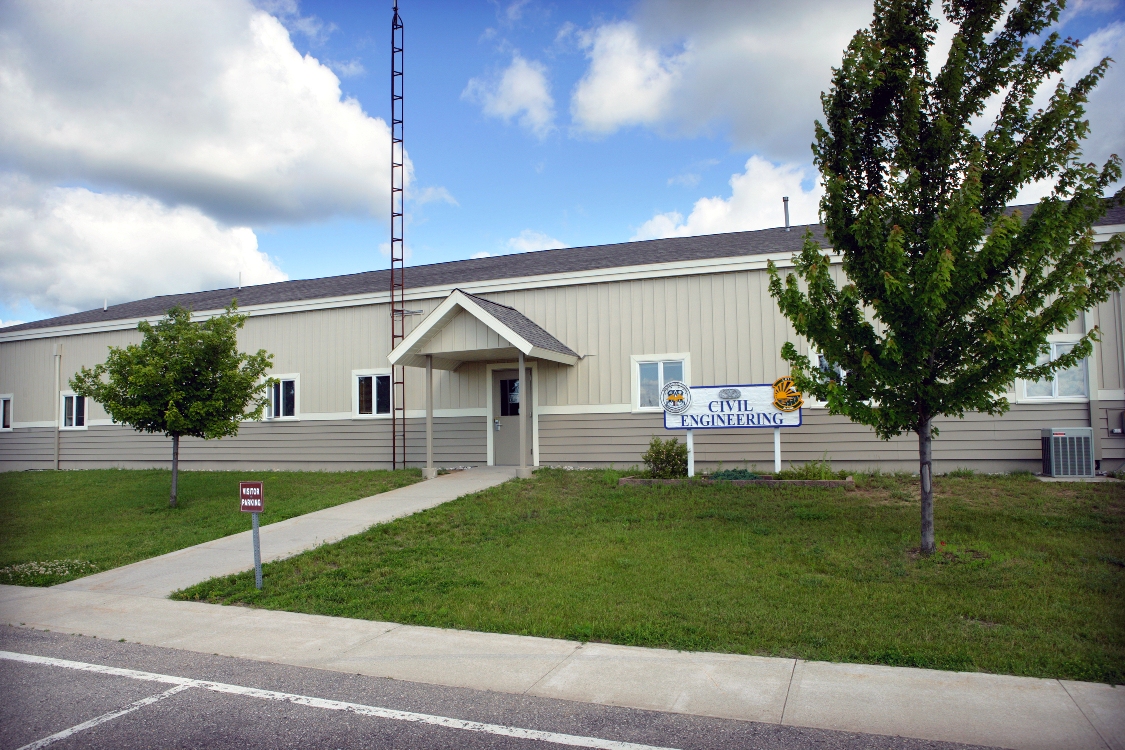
column 666, row 459
column 821, row 469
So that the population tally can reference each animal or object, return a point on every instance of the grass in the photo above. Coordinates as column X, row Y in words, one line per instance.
column 59, row 525
column 1029, row 580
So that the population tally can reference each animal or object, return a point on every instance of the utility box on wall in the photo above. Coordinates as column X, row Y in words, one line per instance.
column 1068, row 452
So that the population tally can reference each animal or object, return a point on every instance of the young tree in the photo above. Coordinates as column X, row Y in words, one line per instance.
column 948, row 298
column 184, row 378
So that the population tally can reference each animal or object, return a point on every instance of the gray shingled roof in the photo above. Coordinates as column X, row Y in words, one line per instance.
column 451, row 274
column 522, row 325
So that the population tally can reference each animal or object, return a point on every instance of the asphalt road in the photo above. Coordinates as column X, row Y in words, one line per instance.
column 181, row 699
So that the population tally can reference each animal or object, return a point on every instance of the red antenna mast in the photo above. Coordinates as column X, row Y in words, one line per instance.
column 398, row 257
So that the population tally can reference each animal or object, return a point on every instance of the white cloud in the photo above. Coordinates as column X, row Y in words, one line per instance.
column 1107, row 125
column 68, row 249
column 759, row 67
column 481, row 254
column 754, row 203
column 207, row 104
column 289, row 13
column 348, row 69
column 627, row 83
column 432, row 195
column 682, row 66
column 529, row 241
column 6, row 323
column 521, row 90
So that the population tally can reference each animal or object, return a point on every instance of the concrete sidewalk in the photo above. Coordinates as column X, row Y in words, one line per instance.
column 159, row 576
column 975, row 708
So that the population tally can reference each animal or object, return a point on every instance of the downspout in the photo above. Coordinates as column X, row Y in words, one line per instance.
column 1092, row 387
column 58, row 399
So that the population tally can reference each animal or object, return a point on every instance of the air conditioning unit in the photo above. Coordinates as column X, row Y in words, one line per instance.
column 1068, row 452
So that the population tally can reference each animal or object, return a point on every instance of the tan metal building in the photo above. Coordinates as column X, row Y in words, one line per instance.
column 600, row 328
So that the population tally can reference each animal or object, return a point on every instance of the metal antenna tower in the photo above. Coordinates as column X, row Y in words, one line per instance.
column 398, row 257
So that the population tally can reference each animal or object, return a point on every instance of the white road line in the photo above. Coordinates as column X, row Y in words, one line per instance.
column 355, row 708
column 104, row 718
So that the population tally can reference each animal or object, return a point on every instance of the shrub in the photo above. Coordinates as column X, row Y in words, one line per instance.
column 820, row 469
column 666, row 459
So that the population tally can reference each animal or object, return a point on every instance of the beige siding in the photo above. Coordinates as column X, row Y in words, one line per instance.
column 727, row 322
column 27, row 449
column 1111, row 365
column 986, row 443
column 326, row 445
column 465, row 333
column 27, row 370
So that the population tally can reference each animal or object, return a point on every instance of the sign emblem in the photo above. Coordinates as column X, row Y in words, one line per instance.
column 675, row 397
column 785, row 396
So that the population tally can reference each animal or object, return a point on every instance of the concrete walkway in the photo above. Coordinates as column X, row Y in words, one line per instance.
column 159, row 576
column 982, row 709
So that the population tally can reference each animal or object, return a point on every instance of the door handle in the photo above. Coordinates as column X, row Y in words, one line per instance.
column 498, row 425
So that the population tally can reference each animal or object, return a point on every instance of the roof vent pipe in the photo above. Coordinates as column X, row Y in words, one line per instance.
column 785, row 202
column 240, row 280
column 105, row 304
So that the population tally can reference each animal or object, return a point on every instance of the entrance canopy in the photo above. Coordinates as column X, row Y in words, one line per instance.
column 468, row 328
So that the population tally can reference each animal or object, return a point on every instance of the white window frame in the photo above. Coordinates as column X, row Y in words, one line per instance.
column 62, row 411
column 10, row 398
column 814, row 359
column 1021, row 385
column 296, row 378
column 356, row 375
column 635, row 362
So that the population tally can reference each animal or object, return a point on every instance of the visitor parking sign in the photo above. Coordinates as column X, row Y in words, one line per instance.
column 250, row 496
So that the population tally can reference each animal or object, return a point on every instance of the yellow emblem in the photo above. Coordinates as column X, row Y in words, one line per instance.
column 785, row 396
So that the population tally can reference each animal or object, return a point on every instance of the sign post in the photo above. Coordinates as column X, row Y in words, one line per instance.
column 252, row 501
column 719, row 407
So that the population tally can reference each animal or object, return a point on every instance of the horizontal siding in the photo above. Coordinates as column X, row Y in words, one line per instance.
column 1112, row 446
column 333, row 445
column 978, row 441
column 27, row 449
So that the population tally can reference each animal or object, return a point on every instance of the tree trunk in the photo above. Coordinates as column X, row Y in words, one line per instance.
column 926, row 474
column 175, row 469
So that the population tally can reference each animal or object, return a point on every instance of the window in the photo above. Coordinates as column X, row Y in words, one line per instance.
column 650, row 375
column 73, row 412
column 5, row 412
column 820, row 361
column 510, row 397
column 283, row 398
column 1069, row 383
column 373, row 395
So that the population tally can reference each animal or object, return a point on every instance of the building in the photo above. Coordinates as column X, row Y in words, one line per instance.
column 600, row 328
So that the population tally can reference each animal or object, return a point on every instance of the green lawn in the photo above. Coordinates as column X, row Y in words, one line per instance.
column 1029, row 579
column 60, row 525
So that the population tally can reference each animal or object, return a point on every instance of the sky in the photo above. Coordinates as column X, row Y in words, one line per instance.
column 154, row 148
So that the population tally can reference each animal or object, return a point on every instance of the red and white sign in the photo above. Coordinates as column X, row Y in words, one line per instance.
column 250, row 495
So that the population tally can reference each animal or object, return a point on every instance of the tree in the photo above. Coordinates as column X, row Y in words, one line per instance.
column 948, row 298
column 184, row 378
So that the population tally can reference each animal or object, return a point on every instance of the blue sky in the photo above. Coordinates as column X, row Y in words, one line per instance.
column 164, row 148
